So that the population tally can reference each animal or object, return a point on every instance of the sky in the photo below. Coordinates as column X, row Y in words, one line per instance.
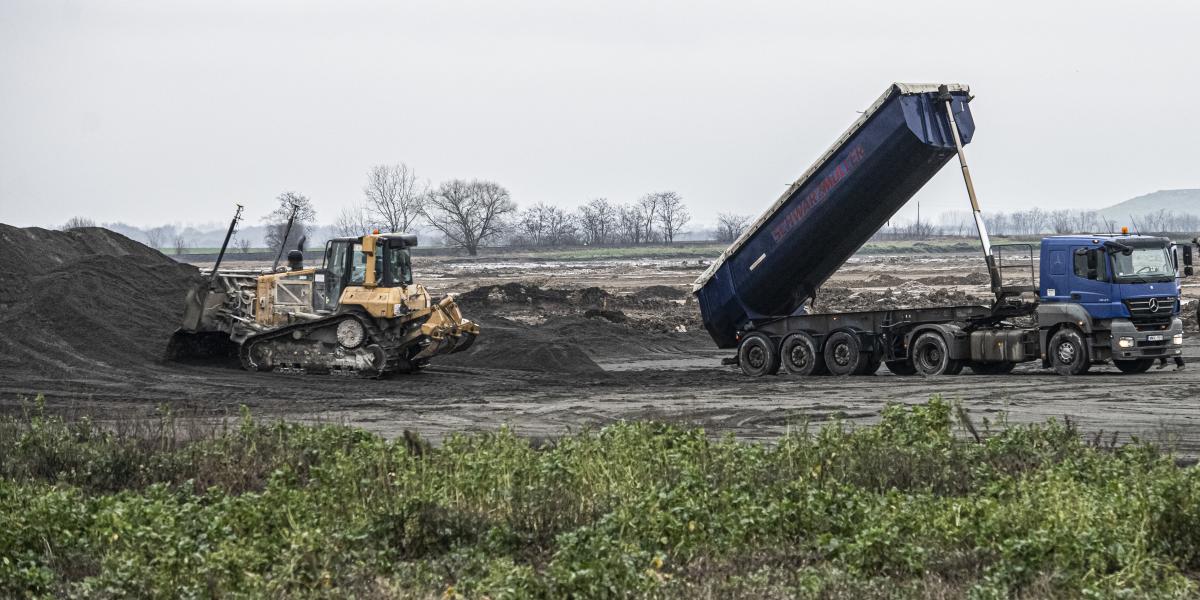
column 149, row 112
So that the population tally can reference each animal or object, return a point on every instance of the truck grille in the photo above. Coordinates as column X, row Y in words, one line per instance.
column 1151, row 313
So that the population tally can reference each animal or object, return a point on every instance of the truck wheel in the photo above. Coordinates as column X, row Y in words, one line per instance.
column 1134, row 366
column 843, row 354
column 901, row 367
column 870, row 365
column 931, row 356
column 799, row 355
column 995, row 368
column 1068, row 353
column 757, row 355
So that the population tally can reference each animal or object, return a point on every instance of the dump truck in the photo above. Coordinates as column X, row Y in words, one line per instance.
column 360, row 313
column 1099, row 297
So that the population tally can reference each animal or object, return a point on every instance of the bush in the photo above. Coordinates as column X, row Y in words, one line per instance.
column 917, row 505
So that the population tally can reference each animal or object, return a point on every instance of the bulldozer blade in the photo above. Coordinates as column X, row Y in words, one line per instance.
column 464, row 341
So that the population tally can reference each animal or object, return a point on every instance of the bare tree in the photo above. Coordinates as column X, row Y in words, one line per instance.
column 355, row 220
column 546, row 225
column 243, row 245
column 1061, row 221
column 180, row 244
column 598, row 221
column 156, row 237
column 394, row 196
column 1085, row 221
column 78, row 223
column 630, row 221
column 672, row 215
column 648, row 208
column 956, row 222
column 730, row 226
column 277, row 220
column 469, row 213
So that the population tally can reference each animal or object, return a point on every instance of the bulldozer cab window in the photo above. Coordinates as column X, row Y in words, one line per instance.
column 358, row 265
column 397, row 266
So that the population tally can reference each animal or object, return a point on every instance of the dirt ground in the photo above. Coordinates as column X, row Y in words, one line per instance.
column 565, row 345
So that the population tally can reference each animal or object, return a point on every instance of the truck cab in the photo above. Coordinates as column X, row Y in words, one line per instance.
column 1120, row 291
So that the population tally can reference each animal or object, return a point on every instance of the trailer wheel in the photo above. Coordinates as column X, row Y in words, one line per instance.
column 870, row 365
column 843, row 353
column 799, row 355
column 901, row 367
column 1068, row 352
column 994, row 368
column 1134, row 366
column 931, row 356
column 757, row 355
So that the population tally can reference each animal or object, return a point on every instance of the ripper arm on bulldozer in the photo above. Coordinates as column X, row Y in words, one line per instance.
column 359, row 314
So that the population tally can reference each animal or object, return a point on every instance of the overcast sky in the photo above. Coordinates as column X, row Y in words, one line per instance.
column 171, row 111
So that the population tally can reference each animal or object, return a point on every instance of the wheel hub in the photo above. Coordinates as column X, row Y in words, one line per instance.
column 1066, row 352
column 756, row 357
column 841, row 355
column 799, row 356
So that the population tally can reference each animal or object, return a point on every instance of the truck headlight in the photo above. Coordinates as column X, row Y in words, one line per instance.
column 1125, row 342
column 1177, row 339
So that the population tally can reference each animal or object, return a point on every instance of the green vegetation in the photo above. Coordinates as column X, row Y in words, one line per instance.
column 915, row 506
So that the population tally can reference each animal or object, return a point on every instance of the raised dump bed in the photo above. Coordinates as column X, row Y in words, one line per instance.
column 873, row 169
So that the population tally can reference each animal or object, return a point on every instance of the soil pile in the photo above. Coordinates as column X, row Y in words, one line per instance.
column 841, row 299
column 883, row 280
column 656, row 308
column 660, row 292
column 87, row 300
column 506, row 344
column 976, row 278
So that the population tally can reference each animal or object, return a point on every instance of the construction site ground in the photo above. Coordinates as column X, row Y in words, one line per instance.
column 566, row 344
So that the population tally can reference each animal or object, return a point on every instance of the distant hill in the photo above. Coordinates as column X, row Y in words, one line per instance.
column 1177, row 201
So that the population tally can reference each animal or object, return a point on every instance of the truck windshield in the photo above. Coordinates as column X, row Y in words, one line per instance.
column 1147, row 264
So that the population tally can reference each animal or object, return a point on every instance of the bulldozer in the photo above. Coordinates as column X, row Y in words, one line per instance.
column 359, row 314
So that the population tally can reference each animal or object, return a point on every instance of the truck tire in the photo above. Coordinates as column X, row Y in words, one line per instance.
column 931, row 356
column 799, row 355
column 994, row 368
column 871, row 365
column 901, row 367
column 1068, row 352
column 843, row 354
column 757, row 355
column 1134, row 366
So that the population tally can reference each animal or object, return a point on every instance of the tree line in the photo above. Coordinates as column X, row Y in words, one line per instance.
column 1036, row 222
column 472, row 213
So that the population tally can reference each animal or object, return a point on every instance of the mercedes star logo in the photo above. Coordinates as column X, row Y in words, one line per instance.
column 1154, row 305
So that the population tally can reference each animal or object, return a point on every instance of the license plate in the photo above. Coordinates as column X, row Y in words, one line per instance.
column 1154, row 338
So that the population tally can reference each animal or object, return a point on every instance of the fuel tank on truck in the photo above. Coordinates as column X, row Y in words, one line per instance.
column 869, row 173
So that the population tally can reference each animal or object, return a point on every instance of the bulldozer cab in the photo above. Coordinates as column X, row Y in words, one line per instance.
column 370, row 261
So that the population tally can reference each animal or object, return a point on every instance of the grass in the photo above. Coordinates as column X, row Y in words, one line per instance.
column 925, row 504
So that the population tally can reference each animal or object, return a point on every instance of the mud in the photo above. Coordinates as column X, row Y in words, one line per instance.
column 84, row 317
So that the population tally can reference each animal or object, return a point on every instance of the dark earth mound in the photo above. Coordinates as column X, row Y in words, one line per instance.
column 505, row 344
column 88, row 300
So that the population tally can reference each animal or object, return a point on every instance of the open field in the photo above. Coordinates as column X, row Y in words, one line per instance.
column 590, row 443
column 565, row 344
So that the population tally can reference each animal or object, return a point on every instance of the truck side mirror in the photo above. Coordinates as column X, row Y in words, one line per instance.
column 1187, row 255
column 1093, row 262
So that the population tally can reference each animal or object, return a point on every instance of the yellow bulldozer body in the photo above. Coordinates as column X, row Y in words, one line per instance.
column 286, row 321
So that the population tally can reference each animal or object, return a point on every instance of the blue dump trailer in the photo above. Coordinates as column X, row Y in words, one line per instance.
column 753, row 296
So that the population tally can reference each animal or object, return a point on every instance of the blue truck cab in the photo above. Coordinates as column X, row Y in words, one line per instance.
column 1120, row 292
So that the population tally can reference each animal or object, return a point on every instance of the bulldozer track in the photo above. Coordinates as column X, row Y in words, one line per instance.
column 392, row 360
